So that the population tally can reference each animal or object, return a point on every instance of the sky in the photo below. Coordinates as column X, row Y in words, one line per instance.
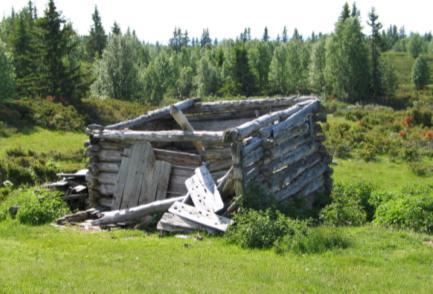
column 154, row 20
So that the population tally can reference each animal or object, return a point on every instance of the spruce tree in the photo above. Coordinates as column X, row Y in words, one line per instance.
column 285, row 36
column 265, row 37
column 115, row 29
column 60, row 76
column 345, row 14
column 7, row 75
column 317, row 66
column 375, row 44
column 97, row 37
column 205, row 40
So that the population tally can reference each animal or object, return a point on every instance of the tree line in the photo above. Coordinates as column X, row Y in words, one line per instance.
column 42, row 56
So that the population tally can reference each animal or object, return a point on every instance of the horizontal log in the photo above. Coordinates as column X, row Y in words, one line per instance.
column 285, row 176
column 160, row 136
column 112, row 167
column 106, row 202
column 231, row 105
column 106, row 189
column 288, row 159
column 299, row 183
column 218, row 125
column 134, row 214
column 153, row 115
column 295, row 118
column 251, row 145
column 250, row 127
column 253, row 157
column 289, row 146
column 226, row 114
column 107, row 178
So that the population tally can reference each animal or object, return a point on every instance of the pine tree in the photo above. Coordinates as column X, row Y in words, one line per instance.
column 388, row 80
column 205, row 40
column 375, row 44
column 242, row 77
column 296, row 35
column 61, row 77
column 97, row 38
column 416, row 45
column 265, row 37
column 285, row 36
column 345, row 13
column 115, row 29
column 24, row 45
column 420, row 73
column 259, row 58
column 355, row 12
column 208, row 79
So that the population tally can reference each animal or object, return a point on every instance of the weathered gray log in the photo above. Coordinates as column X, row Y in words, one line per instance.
column 304, row 179
column 251, row 145
column 184, row 124
column 231, row 105
column 253, row 157
column 134, row 214
column 160, row 136
column 296, row 117
column 153, row 115
column 219, row 125
column 237, row 161
column 301, row 152
column 286, row 176
column 250, row 127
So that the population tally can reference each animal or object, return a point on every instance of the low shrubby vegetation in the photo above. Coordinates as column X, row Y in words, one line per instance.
column 33, row 206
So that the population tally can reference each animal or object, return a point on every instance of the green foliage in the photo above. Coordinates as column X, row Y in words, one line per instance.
column 117, row 72
column 349, row 206
column 420, row 73
column 317, row 66
column 35, row 206
column 416, row 45
column 388, row 78
column 255, row 229
column 110, row 111
column 7, row 74
column 26, row 167
column 97, row 38
column 315, row 240
column 347, row 67
column 413, row 212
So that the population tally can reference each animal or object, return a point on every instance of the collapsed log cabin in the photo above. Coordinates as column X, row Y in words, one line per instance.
column 273, row 143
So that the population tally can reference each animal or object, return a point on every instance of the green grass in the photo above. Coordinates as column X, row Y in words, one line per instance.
column 42, row 140
column 383, row 174
column 48, row 260
column 47, row 141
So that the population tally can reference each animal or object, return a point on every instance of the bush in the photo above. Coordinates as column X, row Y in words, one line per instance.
column 26, row 167
column 36, row 206
column 109, row 111
column 41, row 112
column 407, row 212
column 315, row 240
column 421, row 169
column 349, row 206
column 254, row 229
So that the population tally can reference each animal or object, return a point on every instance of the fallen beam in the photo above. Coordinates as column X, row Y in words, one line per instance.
column 135, row 213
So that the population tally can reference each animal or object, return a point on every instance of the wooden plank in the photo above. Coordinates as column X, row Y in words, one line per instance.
column 121, row 182
column 162, row 176
column 203, row 191
column 174, row 224
column 205, row 218
column 184, row 124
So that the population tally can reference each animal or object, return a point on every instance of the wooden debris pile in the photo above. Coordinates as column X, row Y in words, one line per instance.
column 74, row 186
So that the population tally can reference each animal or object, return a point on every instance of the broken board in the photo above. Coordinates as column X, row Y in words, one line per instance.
column 141, row 179
column 206, row 218
column 175, row 224
column 203, row 190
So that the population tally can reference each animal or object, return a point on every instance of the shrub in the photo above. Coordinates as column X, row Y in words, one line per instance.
column 349, row 205
column 407, row 212
column 368, row 152
column 315, row 240
column 26, row 167
column 36, row 206
column 260, row 229
column 421, row 169
column 42, row 113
